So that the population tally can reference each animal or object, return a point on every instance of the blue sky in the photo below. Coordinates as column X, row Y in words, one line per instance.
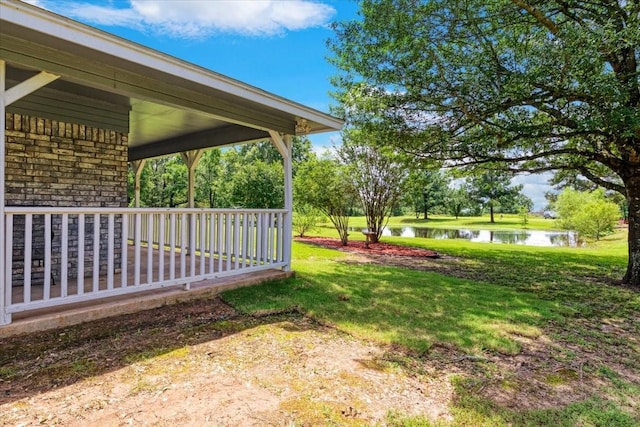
column 276, row 45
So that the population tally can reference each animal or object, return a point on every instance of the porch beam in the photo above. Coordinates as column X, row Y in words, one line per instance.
column 278, row 142
column 28, row 86
column 138, row 166
column 191, row 159
column 227, row 135
column 285, row 147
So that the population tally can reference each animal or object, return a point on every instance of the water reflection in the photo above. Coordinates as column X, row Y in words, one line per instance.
column 517, row 237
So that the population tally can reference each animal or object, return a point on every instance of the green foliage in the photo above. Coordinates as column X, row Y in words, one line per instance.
column 426, row 191
column 375, row 174
column 527, row 85
column 305, row 218
column 523, row 212
column 258, row 185
column 537, row 85
column 324, row 185
column 209, row 179
column 267, row 152
column 250, row 176
column 589, row 213
column 457, row 199
column 163, row 182
column 493, row 189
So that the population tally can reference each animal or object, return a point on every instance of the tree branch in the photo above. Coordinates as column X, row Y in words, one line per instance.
column 602, row 182
column 539, row 16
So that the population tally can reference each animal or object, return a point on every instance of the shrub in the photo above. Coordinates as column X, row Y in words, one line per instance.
column 588, row 213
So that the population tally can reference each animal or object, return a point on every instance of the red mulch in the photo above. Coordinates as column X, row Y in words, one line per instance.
column 374, row 248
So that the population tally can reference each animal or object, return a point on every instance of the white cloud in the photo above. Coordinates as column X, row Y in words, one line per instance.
column 534, row 186
column 325, row 144
column 198, row 18
column 35, row 3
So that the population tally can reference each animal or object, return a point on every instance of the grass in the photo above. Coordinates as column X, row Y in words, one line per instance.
column 392, row 305
column 490, row 301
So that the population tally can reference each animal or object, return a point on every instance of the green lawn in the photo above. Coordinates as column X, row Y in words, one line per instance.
column 489, row 301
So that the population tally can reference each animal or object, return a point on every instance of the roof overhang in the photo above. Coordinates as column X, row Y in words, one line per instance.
column 174, row 105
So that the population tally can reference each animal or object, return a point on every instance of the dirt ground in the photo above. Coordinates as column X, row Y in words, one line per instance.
column 203, row 363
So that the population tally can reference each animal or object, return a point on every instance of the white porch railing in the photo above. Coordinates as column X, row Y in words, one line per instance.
column 57, row 256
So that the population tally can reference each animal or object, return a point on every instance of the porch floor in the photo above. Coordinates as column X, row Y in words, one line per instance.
column 70, row 314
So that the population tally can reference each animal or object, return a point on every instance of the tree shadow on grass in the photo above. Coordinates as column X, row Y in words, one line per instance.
column 40, row 362
column 529, row 322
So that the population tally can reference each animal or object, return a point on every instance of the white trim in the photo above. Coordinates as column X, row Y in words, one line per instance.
column 23, row 210
column 285, row 147
column 288, row 202
column 28, row 86
column 146, row 233
column 278, row 142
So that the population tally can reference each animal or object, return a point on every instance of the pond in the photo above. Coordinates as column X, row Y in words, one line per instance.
column 517, row 237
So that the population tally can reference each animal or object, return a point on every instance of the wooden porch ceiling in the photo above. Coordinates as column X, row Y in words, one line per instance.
column 173, row 105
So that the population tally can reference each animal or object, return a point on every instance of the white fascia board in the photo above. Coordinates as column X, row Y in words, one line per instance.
column 36, row 19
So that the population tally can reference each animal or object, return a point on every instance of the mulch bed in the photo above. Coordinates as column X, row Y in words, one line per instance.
column 373, row 249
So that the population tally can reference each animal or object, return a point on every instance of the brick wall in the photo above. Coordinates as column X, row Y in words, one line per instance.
column 56, row 164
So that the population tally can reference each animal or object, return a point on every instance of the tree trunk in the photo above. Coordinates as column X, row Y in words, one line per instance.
column 424, row 203
column 632, row 277
column 491, row 211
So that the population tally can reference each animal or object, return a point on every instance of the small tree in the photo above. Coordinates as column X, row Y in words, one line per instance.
column 258, row 185
column 426, row 190
column 375, row 175
column 305, row 218
column 523, row 212
column 456, row 200
column 589, row 213
column 492, row 188
column 324, row 185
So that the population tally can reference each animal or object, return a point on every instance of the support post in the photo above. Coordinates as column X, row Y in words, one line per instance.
column 285, row 147
column 9, row 96
column 138, row 166
column 288, row 202
column 191, row 159
column 5, row 318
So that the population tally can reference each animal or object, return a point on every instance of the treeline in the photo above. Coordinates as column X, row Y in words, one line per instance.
column 252, row 176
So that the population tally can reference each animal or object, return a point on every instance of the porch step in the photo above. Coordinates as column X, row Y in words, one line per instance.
column 72, row 314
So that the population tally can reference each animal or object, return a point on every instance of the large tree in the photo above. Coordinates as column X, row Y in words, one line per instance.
column 164, row 182
column 493, row 189
column 535, row 85
column 425, row 190
column 208, row 179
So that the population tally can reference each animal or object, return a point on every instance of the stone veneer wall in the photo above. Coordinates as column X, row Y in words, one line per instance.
column 56, row 164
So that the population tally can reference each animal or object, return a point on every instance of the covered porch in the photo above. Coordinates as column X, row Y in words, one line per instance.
column 77, row 106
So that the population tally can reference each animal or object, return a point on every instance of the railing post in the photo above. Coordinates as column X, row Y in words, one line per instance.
column 288, row 205
column 5, row 318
